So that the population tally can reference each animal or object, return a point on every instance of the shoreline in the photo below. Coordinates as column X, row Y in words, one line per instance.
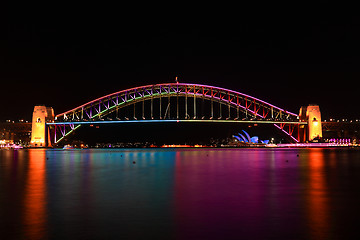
column 278, row 146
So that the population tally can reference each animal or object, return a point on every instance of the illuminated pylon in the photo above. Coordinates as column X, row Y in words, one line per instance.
column 312, row 115
column 40, row 136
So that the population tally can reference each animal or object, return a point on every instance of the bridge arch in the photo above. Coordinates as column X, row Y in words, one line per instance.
column 99, row 108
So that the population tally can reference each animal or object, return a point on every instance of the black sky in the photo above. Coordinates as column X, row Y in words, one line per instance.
column 65, row 55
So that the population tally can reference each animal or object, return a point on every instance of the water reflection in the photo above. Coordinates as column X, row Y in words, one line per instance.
column 179, row 194
column 232, row 194
column 35, row 212
column 317, row 195
column 244, row 191
column 103, row 194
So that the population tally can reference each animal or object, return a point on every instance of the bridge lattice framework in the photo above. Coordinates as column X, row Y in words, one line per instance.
column 241, row 108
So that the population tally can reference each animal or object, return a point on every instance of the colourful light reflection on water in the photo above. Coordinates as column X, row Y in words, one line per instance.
column 35, row 212
column 179, row 194
column 226, row 195
column 317, row 199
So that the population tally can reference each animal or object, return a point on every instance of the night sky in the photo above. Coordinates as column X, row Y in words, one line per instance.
column 65, row 55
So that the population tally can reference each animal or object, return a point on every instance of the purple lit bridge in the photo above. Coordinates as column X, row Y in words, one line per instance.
column 175, row 102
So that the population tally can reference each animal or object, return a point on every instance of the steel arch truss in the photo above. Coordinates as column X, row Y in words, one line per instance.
column 97, row 109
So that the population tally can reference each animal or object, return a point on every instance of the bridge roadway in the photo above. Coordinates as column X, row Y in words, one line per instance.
column 176, row 120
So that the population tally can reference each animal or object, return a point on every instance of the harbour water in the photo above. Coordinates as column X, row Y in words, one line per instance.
column 180, row 194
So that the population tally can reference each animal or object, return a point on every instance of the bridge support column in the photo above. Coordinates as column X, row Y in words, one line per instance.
column 186, row 109
column 160, row 106
column 194, row 106
column 177, row 105
column 312, row 115
column 40, row 135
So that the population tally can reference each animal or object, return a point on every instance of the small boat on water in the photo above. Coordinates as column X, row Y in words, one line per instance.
column 67, row 147
column 271, row 145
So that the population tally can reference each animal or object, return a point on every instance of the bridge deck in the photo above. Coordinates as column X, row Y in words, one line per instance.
column 174, row 120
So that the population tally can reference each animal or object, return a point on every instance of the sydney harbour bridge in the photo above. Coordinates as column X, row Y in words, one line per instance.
column 174, row 102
